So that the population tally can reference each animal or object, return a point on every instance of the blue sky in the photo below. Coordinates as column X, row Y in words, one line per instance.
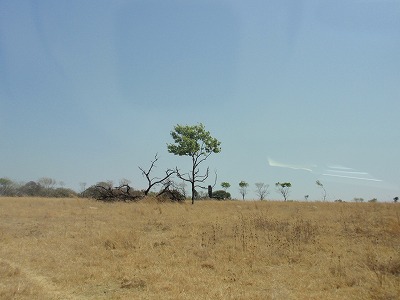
column 295, row 91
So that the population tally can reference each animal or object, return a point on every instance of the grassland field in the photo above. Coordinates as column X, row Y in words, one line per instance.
column 84, row 249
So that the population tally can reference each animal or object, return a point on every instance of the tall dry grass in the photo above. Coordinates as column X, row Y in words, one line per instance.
column 83, row 249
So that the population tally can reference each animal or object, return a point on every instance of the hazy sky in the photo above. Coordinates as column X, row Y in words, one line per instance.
column 295, row 91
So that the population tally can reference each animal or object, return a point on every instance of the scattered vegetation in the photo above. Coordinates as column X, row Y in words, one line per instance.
column 358, row 199
column 44, row 187
column 76, row 248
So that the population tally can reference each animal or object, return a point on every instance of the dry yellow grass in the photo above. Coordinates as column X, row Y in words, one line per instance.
column 84, row 249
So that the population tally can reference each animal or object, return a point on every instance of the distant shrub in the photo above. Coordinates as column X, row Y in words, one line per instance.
column 221, row 195
column 173, row 195
column 7, row 187
column 31, row 189
column 62, row 193
column 105, row 192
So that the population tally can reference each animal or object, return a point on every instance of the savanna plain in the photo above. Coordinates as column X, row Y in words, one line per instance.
column 84, row 249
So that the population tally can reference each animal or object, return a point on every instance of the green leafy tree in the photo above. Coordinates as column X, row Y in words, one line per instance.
column 323, row 188
column 243, row 185
column 283, row 188
column 225, row 185
column 196, row 142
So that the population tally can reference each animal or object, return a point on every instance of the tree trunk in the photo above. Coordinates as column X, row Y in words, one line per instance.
column 193, row 192
column 210, row 191
column 193, row 178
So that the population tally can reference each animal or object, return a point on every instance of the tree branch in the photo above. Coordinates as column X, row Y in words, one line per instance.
column 155, row 180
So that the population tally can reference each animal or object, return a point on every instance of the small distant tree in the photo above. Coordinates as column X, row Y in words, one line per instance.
column 196, row 142
column 373, row 200
column 283, row 188
column 358, row 199
column 225, row 185
column 306, row 197
column 47, row 182
column 82, row 186
column 262, row 190
column 243, row 185
column 395, row 199
column 323, row 188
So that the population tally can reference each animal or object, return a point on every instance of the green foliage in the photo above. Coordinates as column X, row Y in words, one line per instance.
column 283, row 184
column 221, row 195
column 225, row 185
column 196, row 142
column 243, row 184
column 193, row 141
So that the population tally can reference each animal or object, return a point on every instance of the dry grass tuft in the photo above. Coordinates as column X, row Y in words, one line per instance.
column 83, row 249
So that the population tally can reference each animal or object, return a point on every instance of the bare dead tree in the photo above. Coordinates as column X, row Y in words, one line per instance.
column 262, row 190
column 155, row 180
